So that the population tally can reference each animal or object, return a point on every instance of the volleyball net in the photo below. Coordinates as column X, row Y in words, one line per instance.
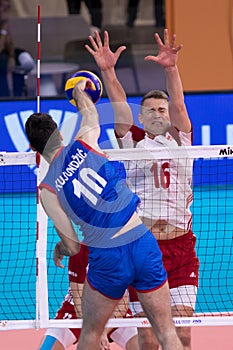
column 33, row 288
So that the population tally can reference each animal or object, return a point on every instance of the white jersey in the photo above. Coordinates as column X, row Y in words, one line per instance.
column 164, row 186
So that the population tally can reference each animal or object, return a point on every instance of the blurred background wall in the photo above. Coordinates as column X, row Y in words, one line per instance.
column 206, row 30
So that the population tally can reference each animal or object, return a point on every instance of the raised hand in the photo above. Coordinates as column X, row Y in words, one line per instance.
column 168, row 51
column 104, row 57
column 81, row 86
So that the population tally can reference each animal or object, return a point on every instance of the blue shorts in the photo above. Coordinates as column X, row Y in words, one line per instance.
column 139, row 263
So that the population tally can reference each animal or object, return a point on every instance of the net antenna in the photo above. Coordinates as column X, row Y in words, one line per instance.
column 42, row 219
column 38, row 59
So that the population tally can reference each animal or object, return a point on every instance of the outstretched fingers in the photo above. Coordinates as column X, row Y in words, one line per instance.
column 151, row 58
column 178, row 48
column 119, row 51
column 173, row 41
column 171, row 44
column 166, row 37
column 90, row 50
column 106, row 45
column 98, row 39
column 106, row 38
column 158, row 40
column 93, row 43
column 167, row 42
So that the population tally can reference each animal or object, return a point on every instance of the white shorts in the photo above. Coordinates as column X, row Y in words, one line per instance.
column 122, row 335
column 63, row 335
column 183, row 295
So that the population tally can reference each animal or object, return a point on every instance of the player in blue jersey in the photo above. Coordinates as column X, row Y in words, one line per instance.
column 84, row 187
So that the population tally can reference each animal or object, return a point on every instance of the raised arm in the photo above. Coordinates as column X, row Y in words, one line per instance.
column 89, row 129
column 167, row 58
column 106, row 61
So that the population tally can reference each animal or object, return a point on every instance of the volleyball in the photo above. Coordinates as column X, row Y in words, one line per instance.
column 95, row 92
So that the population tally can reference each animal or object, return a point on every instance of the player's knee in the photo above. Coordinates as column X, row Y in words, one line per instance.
column 147, row 339
column 148, row 344
column 184, row 333
column 51, row 343
column 186, row 342
column 132, row 343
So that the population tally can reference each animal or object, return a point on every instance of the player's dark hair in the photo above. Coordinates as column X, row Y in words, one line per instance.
column 42, row 132
column 157, row 94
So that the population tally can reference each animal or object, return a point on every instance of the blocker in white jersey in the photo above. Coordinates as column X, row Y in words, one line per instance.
column 163, row 185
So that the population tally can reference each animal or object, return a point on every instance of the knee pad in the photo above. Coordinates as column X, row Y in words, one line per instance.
column 48, row 343
column 63, row 335
column 122, row 335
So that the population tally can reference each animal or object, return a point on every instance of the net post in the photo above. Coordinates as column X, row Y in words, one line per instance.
column 42, row 309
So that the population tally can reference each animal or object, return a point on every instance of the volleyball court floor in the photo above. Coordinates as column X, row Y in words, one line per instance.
column 203, row 338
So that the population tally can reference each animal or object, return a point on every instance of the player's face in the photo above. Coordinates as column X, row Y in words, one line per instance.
column 155, row 117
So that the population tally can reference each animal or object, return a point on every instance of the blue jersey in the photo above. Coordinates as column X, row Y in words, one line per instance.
column 93, row 193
